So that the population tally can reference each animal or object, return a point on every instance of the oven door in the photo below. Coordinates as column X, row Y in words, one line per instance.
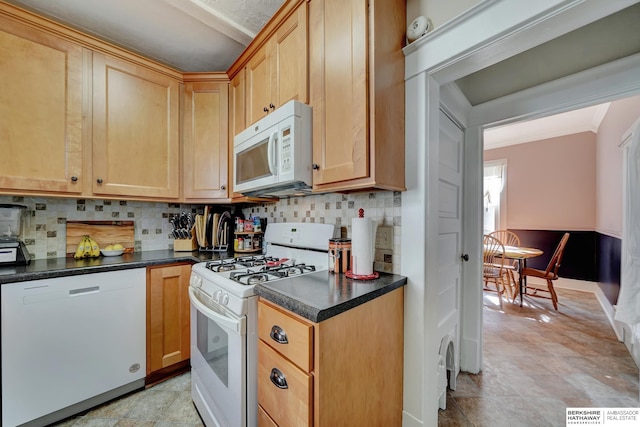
column 218, row 362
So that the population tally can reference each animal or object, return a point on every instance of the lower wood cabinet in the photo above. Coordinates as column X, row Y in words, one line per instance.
column 346, row 370
column 168, row 342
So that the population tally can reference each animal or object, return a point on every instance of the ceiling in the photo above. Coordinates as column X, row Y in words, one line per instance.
column 608, row 39
column 577, row 121
column 187, row 35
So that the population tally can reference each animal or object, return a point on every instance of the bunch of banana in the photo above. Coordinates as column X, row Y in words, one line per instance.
column 87, row 248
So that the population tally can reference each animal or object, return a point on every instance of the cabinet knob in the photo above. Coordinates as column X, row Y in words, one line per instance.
column 465, row 257
column 74, row 178
column 278, row 378
column 99, row 180
column 315, row 166
column 265, row 109
column 278, row 335
column 273, row 107
column 223, row 187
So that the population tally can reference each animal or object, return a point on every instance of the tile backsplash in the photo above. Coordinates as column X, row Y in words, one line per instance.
column 384, row 207
column 44, row 229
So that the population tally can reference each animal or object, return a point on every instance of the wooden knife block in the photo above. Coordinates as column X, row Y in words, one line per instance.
column 185, row 245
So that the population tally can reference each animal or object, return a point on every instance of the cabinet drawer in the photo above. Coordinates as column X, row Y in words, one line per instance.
column 264, row 420
column 290, row 406
column 287, row 335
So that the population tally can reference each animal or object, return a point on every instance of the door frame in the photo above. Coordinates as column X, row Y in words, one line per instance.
column 488, row 33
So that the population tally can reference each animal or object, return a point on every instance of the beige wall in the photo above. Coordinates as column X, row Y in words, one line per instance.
column 551, row 183
column 440, row 11
column 619, row 118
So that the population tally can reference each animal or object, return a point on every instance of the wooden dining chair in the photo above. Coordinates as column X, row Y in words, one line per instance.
column 493, row 268
column 509, row 238
column 549, row 275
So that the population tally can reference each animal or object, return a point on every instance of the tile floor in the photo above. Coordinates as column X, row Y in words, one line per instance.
column 538, row 362
column 167, row 404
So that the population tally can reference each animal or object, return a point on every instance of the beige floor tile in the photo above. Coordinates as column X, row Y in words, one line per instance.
column 538, row 361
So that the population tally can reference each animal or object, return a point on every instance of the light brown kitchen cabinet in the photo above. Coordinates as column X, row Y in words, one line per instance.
column 356, row 75
column 41, row 76
column 278, row 71
column 346, row 370
column 168, row 340
column 205, row 143
column 135, row 130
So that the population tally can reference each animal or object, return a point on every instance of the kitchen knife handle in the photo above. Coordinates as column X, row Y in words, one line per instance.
column 278, row 335
column 278, row 379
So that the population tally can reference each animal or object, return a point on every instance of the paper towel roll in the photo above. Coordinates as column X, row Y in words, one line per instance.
column 362, row 241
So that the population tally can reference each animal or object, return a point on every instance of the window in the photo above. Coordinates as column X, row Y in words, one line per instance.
column 495, row 195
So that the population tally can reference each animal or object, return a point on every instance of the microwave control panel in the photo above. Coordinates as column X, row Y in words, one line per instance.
column 286, row 151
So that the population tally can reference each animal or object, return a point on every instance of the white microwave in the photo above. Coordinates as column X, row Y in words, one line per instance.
column 273, row 156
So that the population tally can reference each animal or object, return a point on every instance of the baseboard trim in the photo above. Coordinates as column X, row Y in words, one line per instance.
column 610, row 311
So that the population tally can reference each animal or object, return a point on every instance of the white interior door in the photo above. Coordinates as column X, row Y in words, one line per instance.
column 450, row 210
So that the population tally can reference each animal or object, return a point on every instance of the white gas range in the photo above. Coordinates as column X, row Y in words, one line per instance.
column 224, row 318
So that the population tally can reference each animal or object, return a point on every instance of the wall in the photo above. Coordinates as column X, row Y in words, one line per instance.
column 619, row 118
column 45, row 230
column 439, row 11
column 550, row 183
column 382, row 206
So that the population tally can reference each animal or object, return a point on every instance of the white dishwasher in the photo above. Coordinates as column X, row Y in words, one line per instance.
column 70, row 343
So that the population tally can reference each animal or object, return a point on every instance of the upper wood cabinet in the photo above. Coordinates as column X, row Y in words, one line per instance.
column 205, row 141
column 277, row 72
column 356, row 74
column 135, row 130
column 41, row 84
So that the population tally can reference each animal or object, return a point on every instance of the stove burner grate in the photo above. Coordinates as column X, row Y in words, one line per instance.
column 265, row 273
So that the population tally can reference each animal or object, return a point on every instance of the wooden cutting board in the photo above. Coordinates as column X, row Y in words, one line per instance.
column 103, row 232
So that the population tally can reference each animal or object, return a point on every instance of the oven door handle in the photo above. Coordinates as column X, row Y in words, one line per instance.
column 237, row 325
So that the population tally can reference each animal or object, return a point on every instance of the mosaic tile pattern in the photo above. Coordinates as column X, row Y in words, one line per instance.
column 384, row 207
column 44, row 229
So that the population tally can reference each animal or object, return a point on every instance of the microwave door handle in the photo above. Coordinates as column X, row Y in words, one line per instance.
column 270, row 152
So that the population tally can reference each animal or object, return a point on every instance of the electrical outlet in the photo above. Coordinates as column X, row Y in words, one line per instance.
column 384, row 237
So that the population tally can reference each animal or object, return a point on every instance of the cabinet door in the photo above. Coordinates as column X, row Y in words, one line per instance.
column 135, row 130
column 40, row 110
column 338, row 89
column 167, row 316
column 291, row 59
column 237, row 119
column 237, row 122
column 259, row 84
column 205, row 140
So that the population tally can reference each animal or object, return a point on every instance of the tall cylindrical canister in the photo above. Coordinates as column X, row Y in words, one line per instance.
column 339, row 255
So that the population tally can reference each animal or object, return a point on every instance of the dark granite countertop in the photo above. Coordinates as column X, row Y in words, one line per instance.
column 60, row 267
column 321, row 295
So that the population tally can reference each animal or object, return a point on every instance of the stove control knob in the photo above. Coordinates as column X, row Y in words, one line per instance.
column 217, row 296
column 225, row 299
column 195, row 281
